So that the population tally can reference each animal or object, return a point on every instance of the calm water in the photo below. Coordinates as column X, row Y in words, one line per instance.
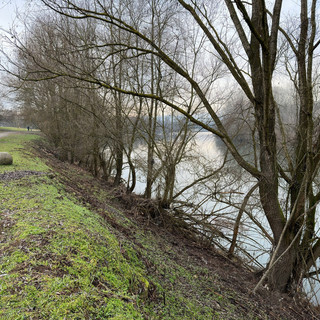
column 207, row 154
column 232, row 185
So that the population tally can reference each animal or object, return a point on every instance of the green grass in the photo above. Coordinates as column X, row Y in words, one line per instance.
column 13, row 129
column 59, row 259
column 73, row 246
column 23, row 159
column 17, row 129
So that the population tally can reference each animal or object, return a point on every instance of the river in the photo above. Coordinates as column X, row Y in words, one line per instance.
column 229, row 185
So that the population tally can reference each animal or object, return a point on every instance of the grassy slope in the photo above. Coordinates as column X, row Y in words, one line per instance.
column 17, row 129
column 55, row 249
column 72, row 254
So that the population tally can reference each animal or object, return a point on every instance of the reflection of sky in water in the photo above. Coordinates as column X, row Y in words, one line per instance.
column 212, row 156
column 251, row 238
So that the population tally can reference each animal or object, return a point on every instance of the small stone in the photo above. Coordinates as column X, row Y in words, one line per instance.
column 5, row 158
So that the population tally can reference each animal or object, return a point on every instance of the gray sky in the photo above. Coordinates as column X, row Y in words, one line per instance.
column 8, row 9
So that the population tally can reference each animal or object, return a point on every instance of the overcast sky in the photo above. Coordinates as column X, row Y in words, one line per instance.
column 8, row 9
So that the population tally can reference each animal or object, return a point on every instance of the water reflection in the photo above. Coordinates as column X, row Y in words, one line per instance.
column 211, row 200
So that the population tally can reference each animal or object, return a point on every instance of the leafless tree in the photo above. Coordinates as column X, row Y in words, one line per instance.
column 246, row 42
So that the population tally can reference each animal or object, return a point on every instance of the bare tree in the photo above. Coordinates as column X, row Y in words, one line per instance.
column 248, row 47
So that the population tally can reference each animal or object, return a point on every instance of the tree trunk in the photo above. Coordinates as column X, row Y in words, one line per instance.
column 118, row 139
column 119, row 164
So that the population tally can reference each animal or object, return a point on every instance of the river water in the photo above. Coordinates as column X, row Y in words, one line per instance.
column 231, row 185
column 214, row 196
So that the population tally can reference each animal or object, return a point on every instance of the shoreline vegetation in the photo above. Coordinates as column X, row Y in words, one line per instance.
column 72, row 249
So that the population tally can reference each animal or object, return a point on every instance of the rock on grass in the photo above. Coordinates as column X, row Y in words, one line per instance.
column 5, row 158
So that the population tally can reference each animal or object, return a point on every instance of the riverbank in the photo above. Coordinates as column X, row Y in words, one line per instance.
column 70, row 249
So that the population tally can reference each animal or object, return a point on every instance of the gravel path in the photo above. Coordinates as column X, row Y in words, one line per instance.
column 5, row 134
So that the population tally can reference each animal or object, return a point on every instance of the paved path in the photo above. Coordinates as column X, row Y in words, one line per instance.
column 7, row 133
column 4, row 134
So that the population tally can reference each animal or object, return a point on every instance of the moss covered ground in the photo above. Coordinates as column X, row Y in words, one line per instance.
column 70, row 250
